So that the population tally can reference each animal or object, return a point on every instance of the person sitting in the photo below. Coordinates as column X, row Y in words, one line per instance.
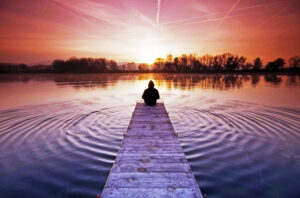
column 151, row 94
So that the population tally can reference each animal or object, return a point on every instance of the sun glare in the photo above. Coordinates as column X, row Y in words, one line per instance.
column 148, row 56
column 149, row 53
column 149, row 48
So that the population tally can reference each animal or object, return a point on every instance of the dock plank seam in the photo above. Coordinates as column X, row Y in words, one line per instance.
column 150, row 161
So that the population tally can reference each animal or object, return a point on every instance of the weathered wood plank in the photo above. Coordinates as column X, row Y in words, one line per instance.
column 152, row 159
column 169, row 192
column 152, row 145
column 151, row 167
column 152, row 180
column 150, row 162
column 146, row 140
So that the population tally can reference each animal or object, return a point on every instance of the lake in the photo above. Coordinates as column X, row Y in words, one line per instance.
column 60, row 134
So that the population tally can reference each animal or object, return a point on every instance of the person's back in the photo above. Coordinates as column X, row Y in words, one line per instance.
column 151, row 94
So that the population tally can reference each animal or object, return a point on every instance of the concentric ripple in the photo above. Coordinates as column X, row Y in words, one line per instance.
column 66, row 149
column 237, row 149
column 62, row 149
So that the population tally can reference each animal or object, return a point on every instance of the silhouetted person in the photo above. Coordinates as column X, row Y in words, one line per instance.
column 151, row 94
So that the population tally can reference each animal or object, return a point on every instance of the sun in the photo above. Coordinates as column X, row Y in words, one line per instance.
column 148, row 56
column 148, row 48
column 149, row 53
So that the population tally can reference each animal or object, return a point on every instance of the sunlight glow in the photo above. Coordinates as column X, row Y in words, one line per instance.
column 128, row 31
column 149, row 54
column 149, row 48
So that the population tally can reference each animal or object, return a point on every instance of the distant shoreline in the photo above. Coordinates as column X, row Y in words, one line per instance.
column 222, row 63
column 260, row 72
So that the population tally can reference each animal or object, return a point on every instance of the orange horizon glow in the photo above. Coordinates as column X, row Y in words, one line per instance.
column 140, row 31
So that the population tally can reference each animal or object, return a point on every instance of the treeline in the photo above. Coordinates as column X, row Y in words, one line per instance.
column 191, row 63
column 226, row 62
column 72, row 65
column 23, row 68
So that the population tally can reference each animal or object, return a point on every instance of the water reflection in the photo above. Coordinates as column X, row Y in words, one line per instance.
column 274, row 79
column 168, row 81
column 255, row 80
column 239, row 132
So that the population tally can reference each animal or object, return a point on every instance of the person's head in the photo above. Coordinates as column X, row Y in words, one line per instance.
column 151, row 84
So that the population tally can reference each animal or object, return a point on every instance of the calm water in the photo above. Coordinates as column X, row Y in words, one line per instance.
column 59, row 134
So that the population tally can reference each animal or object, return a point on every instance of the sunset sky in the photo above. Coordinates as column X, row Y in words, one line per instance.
column 34, row 31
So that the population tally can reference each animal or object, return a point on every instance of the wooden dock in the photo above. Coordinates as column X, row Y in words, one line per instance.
column 151, row 162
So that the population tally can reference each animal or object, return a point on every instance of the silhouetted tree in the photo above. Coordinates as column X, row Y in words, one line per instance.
column 257, row 63
column 216, row 63
column 197, row 67
column 176, row 64
column 183, row 62
column 143, row 67
column 276, row 65
column 234, row 63
column 59, row 66
column 100, row 64
column 169, row 63
column 112, row 65
column 169, row 58
column 83, row 65
column 206, row 61
column 294, row 62
column 280, row 62
column 158, row 64
column 23, row 68
column 226, row 62
column 131, row 66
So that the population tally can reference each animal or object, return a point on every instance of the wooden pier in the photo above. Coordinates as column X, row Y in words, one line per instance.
column 151, row 162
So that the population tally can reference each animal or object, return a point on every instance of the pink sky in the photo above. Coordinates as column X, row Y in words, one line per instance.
column 34, row 31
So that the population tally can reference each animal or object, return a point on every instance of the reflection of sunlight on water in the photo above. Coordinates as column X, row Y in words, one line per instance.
column 111, row 89
column 228, row 126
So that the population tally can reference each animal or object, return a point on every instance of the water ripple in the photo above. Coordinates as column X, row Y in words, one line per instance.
column 236, row 148
column 67, row 149
column 62, row 146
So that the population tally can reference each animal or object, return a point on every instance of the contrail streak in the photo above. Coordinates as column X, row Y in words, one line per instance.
column 158, row 12
column 216, row 14
column 70, row 11
column 212, row 18
column 229, row 11
column 218, row 19
column 192, row 22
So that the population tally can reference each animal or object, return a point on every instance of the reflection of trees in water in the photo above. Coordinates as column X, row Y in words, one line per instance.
column 293, row 81
column 255, row 79
column 75, row 80
column 168, row 81
column 204, row 81
column 274, row 79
